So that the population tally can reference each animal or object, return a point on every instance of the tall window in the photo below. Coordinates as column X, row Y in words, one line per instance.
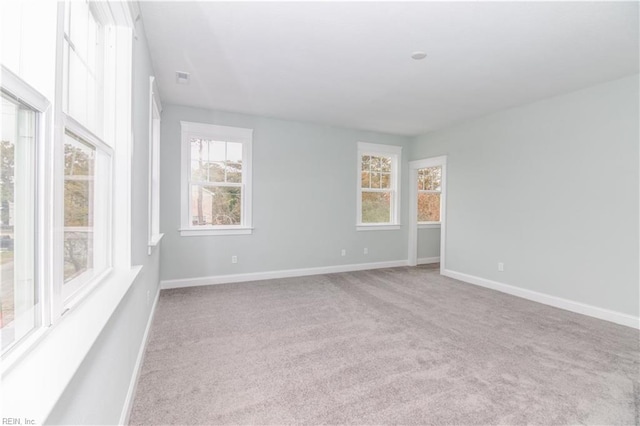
column 378, row 186
column 429, row 192
column 87, row 152
column 216, row 179
column 154, row 165
column 19, row 286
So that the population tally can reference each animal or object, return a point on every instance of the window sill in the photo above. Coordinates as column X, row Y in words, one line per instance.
column 203, row 232
column 36, row 385
column 153, row 242
column 428, row 225
column 383, row 227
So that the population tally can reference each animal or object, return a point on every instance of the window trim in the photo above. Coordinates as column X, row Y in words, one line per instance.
column 227, row 134
column 115, row 143
column 155, row 107
column 395, row 152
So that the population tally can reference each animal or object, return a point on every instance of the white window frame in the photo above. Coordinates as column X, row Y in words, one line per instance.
column 155, row 109
column 219, row 133
column 115, row 143
column 16, row 87
column 432, row 223
column 379, row 150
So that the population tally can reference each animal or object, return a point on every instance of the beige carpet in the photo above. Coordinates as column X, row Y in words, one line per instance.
column 392, row 346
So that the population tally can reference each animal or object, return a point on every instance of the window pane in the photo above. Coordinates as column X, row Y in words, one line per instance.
column 376, row 207
column 87, row 208
column 198, row 173
column 79, row 171
column 234, row 152
column 385, row 180
column 366, row 162
column 234, row 172
column 429, row 178
column 77, row 88
column 385, row 164
column 375, row 180
column 428, row 207
column 199, row 150
column 215, row 205
column 375, row 164
column 79, row 18
column 216, row 172
column 83, row 60
column 18, row 287
column 365, row 180
column 217, row 151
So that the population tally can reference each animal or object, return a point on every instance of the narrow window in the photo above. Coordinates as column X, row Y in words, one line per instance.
column 154, row 165
column 429, row 193
column 88, row 150
column 378, row 183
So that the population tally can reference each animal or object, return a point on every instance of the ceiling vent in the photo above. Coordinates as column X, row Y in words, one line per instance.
column 182, row 77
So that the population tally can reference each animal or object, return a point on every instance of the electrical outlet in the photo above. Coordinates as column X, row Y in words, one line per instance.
column 344, row 252
column 234, row 259
column 500, row 266
column 366, row 250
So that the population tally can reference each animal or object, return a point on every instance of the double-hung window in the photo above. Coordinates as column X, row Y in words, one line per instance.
column 378, row 201
column 88, row 151
column 216, row 179
column 429, row 194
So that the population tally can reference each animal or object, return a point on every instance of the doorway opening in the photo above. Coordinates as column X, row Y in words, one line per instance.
column 427, row 211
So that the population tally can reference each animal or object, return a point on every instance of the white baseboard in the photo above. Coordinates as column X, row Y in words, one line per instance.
column 286, row 273
column 426, row 260
column 128, row 402
column 557, row 302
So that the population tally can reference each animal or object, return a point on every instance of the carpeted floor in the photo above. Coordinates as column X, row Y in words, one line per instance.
column 392, row 346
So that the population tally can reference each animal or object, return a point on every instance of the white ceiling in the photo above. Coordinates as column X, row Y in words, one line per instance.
column 348, row 64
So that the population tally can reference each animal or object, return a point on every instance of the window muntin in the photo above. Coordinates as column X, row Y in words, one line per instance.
column 429, row 194
column 378, row 196
column 19, row 285
column 216, row 179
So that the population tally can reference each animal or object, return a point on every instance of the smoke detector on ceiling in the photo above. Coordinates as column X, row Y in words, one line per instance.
column 182, row 77
column 418, row 55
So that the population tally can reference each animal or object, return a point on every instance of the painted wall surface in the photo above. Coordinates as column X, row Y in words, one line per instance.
column 304, row 200
column 551, row 190
column 428, row 242
column 97, row 393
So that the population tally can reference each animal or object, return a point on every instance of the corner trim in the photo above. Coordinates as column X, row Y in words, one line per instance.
column 546, row 299
column 133, row 385
column 426, row 260
column 286, row 273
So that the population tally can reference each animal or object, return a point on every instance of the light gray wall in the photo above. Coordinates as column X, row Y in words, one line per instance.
column 96, row 394
column 304, row 200
column 551, row 190
column 428, row 242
